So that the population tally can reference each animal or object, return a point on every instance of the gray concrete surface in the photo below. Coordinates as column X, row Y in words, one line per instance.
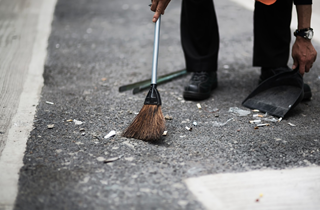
column 25, row 28
column 97, row 46
column 292, row 189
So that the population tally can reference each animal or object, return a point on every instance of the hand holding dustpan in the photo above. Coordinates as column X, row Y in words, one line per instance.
column 278, row 94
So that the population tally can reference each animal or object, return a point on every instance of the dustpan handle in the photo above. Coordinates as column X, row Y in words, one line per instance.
column 155, row 51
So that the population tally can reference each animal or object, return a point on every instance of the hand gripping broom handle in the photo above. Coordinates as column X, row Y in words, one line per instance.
column 153, row 96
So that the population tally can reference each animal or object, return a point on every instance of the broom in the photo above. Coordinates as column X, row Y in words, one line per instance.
column 149, row 124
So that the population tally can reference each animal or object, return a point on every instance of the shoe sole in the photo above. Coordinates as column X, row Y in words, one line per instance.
column 195, row 96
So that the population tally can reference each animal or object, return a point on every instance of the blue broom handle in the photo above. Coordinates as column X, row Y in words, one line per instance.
column 155, row 51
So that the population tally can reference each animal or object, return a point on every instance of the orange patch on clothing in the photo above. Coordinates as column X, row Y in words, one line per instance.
column 267, row 2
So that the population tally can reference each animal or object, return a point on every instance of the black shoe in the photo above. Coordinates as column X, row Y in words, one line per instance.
column 269, row 72
column 200, row 85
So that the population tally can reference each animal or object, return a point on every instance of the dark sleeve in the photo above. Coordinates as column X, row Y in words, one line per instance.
column 302, row 2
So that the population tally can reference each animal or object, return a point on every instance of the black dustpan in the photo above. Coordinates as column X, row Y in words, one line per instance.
column 278, row 94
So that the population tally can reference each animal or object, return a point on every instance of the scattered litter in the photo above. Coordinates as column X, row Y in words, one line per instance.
column 109, row 160
column 136, row 113
column 239, row 111
column 189, row 129
column 167, row 117
column 83, row 134
column 270, row 119
column 78, row 122
column 258, row 115
column 164, row 133
column 262, row 125
column 50, row 126
column 100, row 158
column 256, row 127
column 199, row 106
column 216, row 114
column 48, row 102
column 129, row 158
column 110, row 134
column 81, row 129
column 226, row 66
column 182, row 136
column 218, row 124
column 128, row 144
column 255, row 121
column 280, row 119
column 211, row 110
column 195, row 123
column 256, row 110
column 291, row 124
column 277, row 139
column 70, row 120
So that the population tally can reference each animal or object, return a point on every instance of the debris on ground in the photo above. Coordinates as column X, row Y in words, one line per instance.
column 110, row 134
column 48, row 102
column 226, row 66
column 50, row 126
column 195, row 123
column 291, row 124
column 239, row 111
column 70, row 120
column 258, row 115
column 164, row 133
column 199, row 106
column 270, row 119
column 219, row 124
column 168, row 117
column 256, row 110
column 255, row 121
column 81, row 129
column 263, row 124
column 109, row 160
column 77, row 122
column 188, row 128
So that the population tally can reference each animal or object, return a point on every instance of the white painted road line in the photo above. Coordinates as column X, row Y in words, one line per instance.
column 315, row 21
column 293, row 189
column 12, row 155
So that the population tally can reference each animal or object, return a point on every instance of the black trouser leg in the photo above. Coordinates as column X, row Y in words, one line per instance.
column 272, row 34
column 199, row 35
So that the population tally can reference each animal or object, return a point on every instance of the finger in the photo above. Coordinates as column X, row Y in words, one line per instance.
column 295, row 64
column 158, row 12
column 154, row 5
column 302, row 68
column 156, row 16
column 308, row 67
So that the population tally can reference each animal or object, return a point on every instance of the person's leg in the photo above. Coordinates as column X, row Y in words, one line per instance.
column 200, row 43
column 199, row 35
column 272, row 34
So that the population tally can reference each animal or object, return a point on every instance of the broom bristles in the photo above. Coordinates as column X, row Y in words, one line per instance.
column 148, row 125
